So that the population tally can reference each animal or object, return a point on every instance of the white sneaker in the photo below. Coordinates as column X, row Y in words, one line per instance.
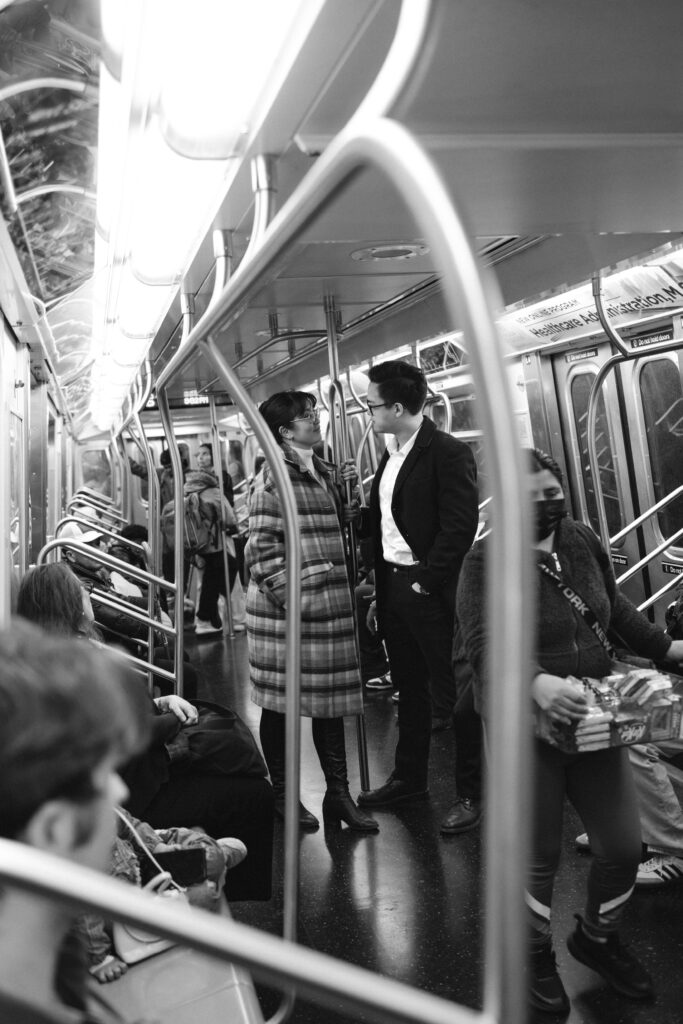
column 234, row 851
column 582, row 843
column 202, row 627
column 659, row 870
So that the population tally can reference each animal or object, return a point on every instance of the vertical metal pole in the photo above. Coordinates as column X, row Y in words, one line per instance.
column 218, row 466
column 340, row 448
column 179, row 560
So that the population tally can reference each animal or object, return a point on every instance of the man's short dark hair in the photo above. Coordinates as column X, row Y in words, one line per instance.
column 65, row 706
column 402, row 382
column 280, row 409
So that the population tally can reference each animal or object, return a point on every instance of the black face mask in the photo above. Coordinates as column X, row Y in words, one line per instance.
column 548, row 515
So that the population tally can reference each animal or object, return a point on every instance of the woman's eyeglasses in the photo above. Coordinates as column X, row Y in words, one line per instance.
column 310, row 417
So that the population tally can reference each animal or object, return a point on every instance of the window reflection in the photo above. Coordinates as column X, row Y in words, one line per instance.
column 662, row 401
column 580, row 393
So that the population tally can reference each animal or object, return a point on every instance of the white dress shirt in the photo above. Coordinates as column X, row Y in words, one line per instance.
column 394, row 546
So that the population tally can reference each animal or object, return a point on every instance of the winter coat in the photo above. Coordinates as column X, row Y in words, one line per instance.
column 206, row 485
column 565, row 644
column 330, row 676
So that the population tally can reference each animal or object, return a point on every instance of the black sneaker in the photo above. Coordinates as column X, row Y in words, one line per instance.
column 382, row 682
column 613, row 961
column 546, row 991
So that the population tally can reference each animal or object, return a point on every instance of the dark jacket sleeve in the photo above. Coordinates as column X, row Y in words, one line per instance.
column 458, row 516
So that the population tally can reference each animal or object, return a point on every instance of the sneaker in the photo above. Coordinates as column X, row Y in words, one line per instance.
column 582, row 843
column 546, row 991
column 233, row 850
column 659, row 870
column 395, row 696
column 239, row 627
column 202, row 628
column 380, row 682
column 613, row 961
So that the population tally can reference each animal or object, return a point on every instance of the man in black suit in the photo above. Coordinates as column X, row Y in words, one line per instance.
column 422, row 518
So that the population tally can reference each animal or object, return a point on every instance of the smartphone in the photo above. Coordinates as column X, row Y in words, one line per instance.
column 188, row 867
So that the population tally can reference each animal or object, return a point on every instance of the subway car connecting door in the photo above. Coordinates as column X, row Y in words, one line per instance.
column 573, row 376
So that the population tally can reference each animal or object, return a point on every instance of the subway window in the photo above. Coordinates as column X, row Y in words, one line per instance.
column 662, row 402
column 580, row 392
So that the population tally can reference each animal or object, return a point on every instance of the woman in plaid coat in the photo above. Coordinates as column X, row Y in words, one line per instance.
column 330, row 676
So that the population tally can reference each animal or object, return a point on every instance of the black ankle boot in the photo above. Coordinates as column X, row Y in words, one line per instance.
column 328, row 737
column 338, row 807
column 307, row 821
column 546, row 991
column 612, row 960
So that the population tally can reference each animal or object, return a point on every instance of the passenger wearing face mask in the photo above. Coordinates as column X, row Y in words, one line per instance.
column 598, row 783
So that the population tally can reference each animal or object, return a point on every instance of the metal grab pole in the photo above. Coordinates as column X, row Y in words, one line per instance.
column 292, row 634
column 179, row 538
column 336, row 400
column 218, row 465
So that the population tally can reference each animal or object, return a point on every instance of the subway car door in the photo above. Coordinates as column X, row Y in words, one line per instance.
column 573, row 375
column 654, row 411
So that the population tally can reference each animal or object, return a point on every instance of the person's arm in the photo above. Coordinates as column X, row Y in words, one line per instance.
column 458, row 512
column 644, row 637
column 265, row 550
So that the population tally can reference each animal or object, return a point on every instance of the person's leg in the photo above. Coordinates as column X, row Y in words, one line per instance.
column 207, row 609
column 272, row 736
column 546, row 991
column 468, row 737
column 330, row 745
column 661, row 817
column 600, row 786
column 372, row 657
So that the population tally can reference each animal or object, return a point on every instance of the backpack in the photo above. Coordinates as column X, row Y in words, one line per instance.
column 201, row 524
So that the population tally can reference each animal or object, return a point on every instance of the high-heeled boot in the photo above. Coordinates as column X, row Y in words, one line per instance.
column 328, row 737
column 272, row 733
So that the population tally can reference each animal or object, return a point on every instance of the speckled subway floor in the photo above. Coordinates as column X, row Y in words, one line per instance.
column 407, row 902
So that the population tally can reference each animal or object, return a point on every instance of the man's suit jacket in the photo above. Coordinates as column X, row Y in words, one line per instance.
column 435, row 506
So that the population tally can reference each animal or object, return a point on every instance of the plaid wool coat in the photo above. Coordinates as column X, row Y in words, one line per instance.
column 330, row 675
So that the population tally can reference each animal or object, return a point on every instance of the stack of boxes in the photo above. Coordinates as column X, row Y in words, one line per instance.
column 631, row 705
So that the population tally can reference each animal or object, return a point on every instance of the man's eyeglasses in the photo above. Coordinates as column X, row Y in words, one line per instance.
column 370, row 406
column 311, row 417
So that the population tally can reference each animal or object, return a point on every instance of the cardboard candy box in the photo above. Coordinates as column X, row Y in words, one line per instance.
column 631, row 705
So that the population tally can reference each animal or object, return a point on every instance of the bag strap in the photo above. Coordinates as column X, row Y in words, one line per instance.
column 580, row 607
column 143, row 846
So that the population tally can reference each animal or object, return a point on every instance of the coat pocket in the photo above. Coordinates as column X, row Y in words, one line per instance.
column 316, row 601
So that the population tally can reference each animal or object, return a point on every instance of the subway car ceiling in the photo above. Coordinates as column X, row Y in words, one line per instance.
column 556, row 128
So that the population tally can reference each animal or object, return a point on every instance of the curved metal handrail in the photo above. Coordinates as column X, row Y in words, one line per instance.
column 95, row 524
column 392, row 148
column 330, row 982
column 441, row 396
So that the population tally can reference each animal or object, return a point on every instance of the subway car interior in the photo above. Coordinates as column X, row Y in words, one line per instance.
column 206, row 203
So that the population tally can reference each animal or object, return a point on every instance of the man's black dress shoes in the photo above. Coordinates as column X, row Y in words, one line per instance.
column 392, row 792
column 464, row 815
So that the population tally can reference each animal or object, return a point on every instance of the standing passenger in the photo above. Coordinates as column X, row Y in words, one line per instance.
column 330, row 677
column 423, row 516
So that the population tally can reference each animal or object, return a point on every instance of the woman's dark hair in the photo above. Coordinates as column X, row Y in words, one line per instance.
column 51, row 596
column 538, row 461
column 209, row 449
column 280, row 409
column 401, row 382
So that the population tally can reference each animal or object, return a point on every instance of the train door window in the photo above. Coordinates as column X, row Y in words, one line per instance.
column 662, row 403
column 96, row 470
column 580, row 392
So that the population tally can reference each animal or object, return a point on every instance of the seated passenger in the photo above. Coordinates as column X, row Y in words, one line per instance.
column 68, row 718
column 599, row 783
column 52, row 596
column 161, row 794
column 131, row 864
